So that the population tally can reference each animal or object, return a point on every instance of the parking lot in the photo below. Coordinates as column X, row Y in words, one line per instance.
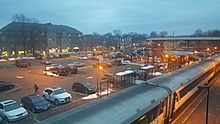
column 25, row 78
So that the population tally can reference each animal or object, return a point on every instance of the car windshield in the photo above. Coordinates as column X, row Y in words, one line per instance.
column 37, row 99
column 86, row 84
column 59, row 91
column 11, row 107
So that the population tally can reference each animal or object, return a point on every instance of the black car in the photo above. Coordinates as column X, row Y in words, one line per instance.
column 6, row 86
column 84, row 87
column 60, row 71
column 117, row 62
column 35, row 103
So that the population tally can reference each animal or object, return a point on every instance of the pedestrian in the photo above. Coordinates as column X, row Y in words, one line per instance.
column 36, row 92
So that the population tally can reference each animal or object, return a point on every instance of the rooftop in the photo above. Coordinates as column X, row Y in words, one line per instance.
column 185, row 38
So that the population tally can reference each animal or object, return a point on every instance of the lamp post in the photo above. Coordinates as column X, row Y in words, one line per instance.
column 167, row 59
column 98, row 89
column 207, row 103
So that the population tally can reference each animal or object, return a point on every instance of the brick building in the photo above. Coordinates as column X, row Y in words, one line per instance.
column 30, row 38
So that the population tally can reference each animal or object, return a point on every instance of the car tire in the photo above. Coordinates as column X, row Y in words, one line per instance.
column 6, row 118
column 74, row 89
column 44, row 97
column 33, row 110
column 11, row 87
column 57, row 102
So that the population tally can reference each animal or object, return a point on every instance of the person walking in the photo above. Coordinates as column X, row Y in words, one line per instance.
column 36, row 92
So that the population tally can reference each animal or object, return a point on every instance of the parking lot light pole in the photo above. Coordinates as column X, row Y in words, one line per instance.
column 98, row 87
column 207, row 103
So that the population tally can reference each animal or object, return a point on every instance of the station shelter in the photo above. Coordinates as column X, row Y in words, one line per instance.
column 126, row 78
column 146, row 72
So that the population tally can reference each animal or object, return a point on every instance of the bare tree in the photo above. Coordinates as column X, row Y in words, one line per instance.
column 198, row 33
column 24, row 19
column 153, row 34
column 117, row 32
column 163, row 33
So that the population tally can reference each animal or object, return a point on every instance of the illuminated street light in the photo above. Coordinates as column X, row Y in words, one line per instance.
column 100, row 67
column 98, row 88
column 166, row 55
column 216, row 48
column 208, row 49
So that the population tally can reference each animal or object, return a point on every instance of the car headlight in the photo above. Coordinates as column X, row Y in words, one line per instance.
column 37, row 107
column 61, row 98
column 11, row 116
column 25, row 112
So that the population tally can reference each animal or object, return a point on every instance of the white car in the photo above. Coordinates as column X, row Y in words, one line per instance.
column 12, row 111
column 83, row 58
column 47, row 62
column 57, row 95
column 56, row 65
column 78, row 64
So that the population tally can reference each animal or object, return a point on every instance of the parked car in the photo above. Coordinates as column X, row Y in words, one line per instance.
column 56, row 65
column 108, row 78
column 84, row 87
column 57, row 95
column 117, row 62
column 60, row 71
column 46, row 62
column 49, row 56
column 55, row 71
column 83, row 58
column 125, row 62
column 35, row 103
column 21, row 63
column 102, row 64
column 6, row 86
column 12, row 111
column 71, row 68
column 1, row 120
column 78, row 64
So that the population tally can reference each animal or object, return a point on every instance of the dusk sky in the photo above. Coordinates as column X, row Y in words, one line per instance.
column 102, row 16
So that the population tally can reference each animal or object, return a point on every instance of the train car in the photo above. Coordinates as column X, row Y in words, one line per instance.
column 153, row 101
column 140, row 103
column 184, row 82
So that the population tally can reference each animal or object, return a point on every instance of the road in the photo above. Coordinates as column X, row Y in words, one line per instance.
column 25, row 78
column 195, row 112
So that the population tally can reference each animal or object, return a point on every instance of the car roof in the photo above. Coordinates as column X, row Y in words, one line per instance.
column 84, row 83
column 54, row 88
column 33, row 96
column 8, row 102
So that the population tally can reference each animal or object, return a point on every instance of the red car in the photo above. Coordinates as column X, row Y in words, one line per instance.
column 21, row 63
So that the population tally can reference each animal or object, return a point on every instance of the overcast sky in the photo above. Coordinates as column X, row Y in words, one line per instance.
column 102, row 16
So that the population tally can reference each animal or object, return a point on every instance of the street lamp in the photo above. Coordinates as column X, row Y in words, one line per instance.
column 167, row 58
column 207, row 103
column 98, row 89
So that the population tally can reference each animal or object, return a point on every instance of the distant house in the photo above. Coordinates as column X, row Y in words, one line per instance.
column 22, row 38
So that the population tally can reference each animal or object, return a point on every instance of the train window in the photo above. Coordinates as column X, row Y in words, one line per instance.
column 142, row 120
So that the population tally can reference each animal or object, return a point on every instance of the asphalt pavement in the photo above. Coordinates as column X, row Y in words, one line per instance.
column 25, row 78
